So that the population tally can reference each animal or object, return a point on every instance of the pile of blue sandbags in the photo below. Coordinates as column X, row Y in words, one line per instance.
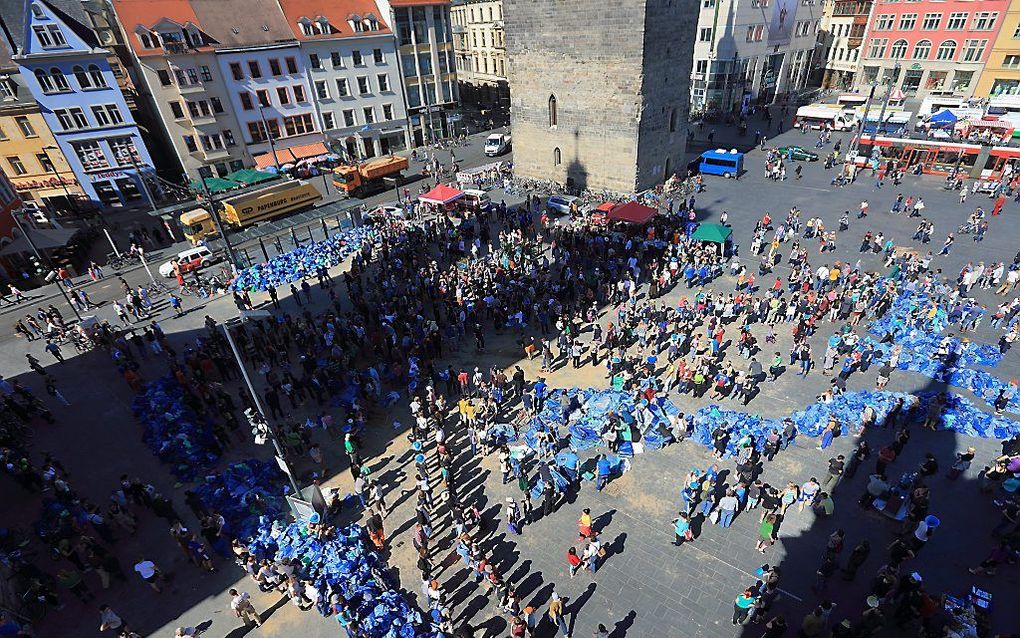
column 244, row 493
column 962, row 416
column 301, row 262
column 345, row 564
column 172, row 430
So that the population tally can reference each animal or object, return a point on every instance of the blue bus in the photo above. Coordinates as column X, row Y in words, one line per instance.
column 720, row 162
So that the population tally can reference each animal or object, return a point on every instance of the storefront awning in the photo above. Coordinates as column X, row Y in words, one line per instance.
column 632, row 213
column 441, row 194
column 290, row 155
column 250, row 176
column 214, row 184
column 43, row 238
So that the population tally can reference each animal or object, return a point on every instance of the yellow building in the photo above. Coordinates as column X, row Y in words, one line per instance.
column 1001, row 75
column 28, row 152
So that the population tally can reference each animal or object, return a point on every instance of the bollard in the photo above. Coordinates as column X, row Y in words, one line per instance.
column 265, row 253
column 325, row 231
column 293, row 237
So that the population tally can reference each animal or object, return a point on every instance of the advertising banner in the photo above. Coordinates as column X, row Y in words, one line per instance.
column 784, row 14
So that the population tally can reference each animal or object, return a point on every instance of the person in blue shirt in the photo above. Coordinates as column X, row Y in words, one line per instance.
column 603, row 472
column 681, row 528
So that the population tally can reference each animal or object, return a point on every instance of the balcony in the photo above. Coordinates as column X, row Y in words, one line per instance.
column 202, row 119
column 216, row 154
column 191, row 89
column 175, row 48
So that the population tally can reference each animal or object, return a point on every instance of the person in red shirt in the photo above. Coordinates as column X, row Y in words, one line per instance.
column 573, row 560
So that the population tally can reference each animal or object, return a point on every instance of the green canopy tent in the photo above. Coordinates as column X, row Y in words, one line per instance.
column 249, row 176
column 715, row 233
column 214, row 184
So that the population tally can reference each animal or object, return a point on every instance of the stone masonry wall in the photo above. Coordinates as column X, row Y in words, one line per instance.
column 588, row 54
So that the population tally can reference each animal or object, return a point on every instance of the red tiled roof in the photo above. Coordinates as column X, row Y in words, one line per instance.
column 147, row 13
column 337, row 12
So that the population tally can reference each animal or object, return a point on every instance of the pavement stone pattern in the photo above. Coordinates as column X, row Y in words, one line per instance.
column 646, row 587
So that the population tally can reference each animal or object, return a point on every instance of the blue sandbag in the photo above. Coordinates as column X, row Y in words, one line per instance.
column 172, row 430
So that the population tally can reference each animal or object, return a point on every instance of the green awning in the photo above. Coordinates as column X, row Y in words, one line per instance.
column 716, row 233
column 249, row 176
column 214, row 184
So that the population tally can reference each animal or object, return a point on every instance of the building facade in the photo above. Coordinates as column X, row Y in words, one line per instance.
column 354, row 74
column 604, row 103
column 29, row 154
column 844, row 23
column 931, row 47
column 184, row 84
column 479, row 43
column 424, row 33
column 752, row 51
column 69, row 75
column 1001, row 73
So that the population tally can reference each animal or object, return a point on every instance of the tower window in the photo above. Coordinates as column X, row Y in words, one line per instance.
column 553, row 116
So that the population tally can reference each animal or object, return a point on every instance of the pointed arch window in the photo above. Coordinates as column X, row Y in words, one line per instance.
column 553, row 114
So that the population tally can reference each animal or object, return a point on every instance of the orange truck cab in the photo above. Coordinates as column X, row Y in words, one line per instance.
column 369, row 177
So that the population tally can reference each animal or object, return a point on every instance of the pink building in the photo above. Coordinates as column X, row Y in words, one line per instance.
column 940, row 47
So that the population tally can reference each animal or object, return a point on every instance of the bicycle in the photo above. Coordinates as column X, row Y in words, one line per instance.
column 123, row 260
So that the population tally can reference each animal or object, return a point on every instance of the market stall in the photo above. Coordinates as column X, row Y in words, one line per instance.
column 715, row 234
column 443, row 198
column 632, row 213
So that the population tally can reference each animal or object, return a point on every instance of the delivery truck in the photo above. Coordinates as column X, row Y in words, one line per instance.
column 250, row 207
column 827, row 116
column 373, row 176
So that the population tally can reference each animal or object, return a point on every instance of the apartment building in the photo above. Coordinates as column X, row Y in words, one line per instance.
column 479, row 44
column 353, row 70
column 931, row 47
column 752, row 51
column 1001, row 73
column 841, row 35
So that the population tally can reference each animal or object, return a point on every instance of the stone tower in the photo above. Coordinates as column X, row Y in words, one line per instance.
column 599, row 89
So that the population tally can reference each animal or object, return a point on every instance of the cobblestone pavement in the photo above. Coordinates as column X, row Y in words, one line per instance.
column 646, row 587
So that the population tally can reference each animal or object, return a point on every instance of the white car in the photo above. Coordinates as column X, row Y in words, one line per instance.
column 188, row 260
column 388, row 211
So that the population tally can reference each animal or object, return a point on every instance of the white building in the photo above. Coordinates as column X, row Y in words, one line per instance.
column 752, row 51
column 839, row 41
column 354, row 74
column 480, row 45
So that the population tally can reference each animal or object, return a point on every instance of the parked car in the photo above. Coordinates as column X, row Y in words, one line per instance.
column 560, row 204
column 390, row 210
column 798, row 153
column 188, row 260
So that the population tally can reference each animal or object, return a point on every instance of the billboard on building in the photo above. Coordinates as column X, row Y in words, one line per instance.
column 784, row 14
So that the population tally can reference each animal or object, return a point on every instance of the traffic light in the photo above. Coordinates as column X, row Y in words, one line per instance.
column 259, row 427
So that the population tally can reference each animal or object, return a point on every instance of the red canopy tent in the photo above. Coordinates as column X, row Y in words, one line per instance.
column 632, row 213
column 441, row 195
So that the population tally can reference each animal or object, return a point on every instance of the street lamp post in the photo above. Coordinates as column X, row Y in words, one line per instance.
column 269, row 136
column 53, row 169
column 215, row 215
column 258, row 404
column 39, row 256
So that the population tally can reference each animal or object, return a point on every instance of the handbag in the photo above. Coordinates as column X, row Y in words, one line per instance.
column 688, row 535
column 602, row 552
column 714, row 516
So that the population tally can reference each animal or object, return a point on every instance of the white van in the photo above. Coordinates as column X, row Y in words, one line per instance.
column 475, row 200
column 188, row 260
column 497, row 144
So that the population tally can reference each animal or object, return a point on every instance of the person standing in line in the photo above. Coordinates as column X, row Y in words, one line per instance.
column 742, row 606
column 728, row 508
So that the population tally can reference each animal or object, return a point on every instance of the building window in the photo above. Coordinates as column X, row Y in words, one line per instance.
column 672, row 120
column 262, row 96
column 877, row 48
column 922, row 50
column 898, row 50
column 299, row 124
column 884, row 22
column 109, row 114
column 235, row 71
column 216, row 104
column 377, row 56
column 246, row 103
column 124, row 151
column 356, row 58
column 973, row 50
column 314, row 61
column 908, row 21
column 1016, row 33
column 176, row 110
column 705, row 34
column 49, row 36
column 25, row 126
column 299, row 93
column 349, row 117
column 274, row 67
column 369, row 114
column 384, row 82
column 283, row 95
column 189, row 143
column 336, row 59
column 321, row 90
column 37, row 11
column 984, row 21
column 257, row 132
column 1011, row 62
column 363, row 88
column 17, row 166
column 957, row 20
column 947, row 50
column 557, row 157
column 341, row 87
column 206, row 73
column 228, row 137
column 961, row 80
column 291, row 65
column 387, row 112
column 91, row 155
column 553, row 113
column 327, row 120
column 71, row 119
column 254, row 70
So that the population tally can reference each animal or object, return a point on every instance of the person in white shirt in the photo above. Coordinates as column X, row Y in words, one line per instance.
column 108, row 619
column 149, row 573
column 240, row 602
column 728, row 508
